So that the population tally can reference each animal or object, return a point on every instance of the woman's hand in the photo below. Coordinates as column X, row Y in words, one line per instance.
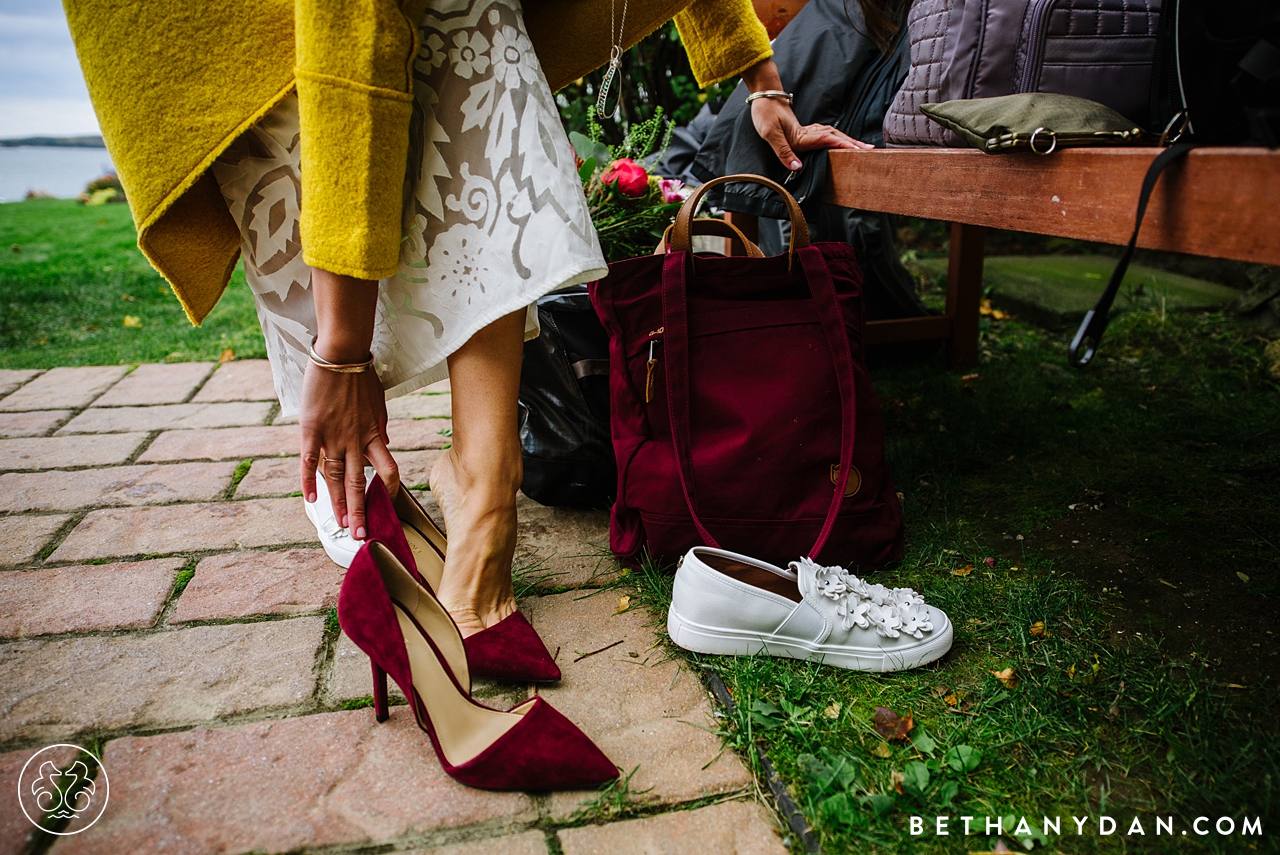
column 344, row 416
column 777, row 124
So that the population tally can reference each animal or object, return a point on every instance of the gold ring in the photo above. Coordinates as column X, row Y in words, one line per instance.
column 324, row 459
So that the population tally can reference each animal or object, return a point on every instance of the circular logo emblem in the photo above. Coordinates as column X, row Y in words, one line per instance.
column 64, row 785
column 853, row 485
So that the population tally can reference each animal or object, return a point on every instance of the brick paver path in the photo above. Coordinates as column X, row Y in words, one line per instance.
column 163, row 599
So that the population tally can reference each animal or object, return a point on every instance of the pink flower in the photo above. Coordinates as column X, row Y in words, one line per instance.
column 671, row 189
column 629, row 176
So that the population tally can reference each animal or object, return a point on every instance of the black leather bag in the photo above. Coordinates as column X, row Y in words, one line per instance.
column 1217, row 82
column 564, row 406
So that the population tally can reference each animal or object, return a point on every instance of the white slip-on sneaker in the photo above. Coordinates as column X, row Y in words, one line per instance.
column 731, row 604
column 338, row 543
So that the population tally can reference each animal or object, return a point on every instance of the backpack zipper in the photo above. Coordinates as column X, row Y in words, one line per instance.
column 1035, row 52
column 652, row 364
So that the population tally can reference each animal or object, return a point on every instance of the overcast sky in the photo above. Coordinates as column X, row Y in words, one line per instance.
column 41, row 89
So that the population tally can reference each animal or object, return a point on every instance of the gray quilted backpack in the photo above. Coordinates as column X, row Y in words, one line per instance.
column 1102, row 50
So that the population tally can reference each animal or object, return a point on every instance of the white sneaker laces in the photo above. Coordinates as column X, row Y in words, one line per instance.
column 890, row 611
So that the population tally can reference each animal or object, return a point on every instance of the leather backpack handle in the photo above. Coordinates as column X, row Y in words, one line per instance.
column 682, row 239
column 716, row 228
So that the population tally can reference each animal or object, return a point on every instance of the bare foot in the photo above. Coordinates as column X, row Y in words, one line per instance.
column 480, row 520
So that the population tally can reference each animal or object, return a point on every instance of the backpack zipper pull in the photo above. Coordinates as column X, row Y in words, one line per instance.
column 649, row 366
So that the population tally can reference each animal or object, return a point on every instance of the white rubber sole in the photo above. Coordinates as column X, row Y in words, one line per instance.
column 727, row 642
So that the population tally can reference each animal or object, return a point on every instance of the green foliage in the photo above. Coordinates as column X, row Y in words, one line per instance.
column 70, row 274
column 626, row 225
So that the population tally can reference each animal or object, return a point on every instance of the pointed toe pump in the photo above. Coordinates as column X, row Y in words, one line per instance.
column 508, row 650
column 408, row 635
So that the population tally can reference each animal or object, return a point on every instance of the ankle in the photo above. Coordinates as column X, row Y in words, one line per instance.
column 495, row 476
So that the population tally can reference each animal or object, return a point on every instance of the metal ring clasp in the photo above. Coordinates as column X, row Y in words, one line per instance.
column 1053, row 140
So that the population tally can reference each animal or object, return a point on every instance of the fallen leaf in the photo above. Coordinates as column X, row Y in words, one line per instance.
column 890, row 725
column 133, row 322
column 1244, row 577
column 227, row 356
column 881, row 749
column 1007, row 676
column 1236, row 686
column 970, row 381
column 896, row 778
column 1071, row 672
column 1013, row 569
column 963, row 571
column 1037, row 629
column 990, row 562
column 1114, row 712
column 832, row 711
column 128, row 298
column 624, row 603
column 953, row 699
column 984, row 308
column 940, row 691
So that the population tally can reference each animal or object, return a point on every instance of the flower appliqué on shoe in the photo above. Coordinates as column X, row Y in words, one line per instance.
column 889, row 611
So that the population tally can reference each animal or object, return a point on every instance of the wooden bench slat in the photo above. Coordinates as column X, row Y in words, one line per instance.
column 1219, row 202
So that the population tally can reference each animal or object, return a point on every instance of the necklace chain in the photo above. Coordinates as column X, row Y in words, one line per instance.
column 615, row 61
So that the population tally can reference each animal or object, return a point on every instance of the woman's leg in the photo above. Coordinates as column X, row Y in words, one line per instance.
column 475, row 481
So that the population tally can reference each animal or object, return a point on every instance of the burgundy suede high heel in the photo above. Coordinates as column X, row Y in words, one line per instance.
column 508, row 650
column 408, row 635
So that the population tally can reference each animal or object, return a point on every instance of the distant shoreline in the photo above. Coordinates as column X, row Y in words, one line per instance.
column 55, row 142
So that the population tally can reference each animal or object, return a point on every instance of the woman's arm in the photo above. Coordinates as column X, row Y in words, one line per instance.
column 344, row 416
column 777, row 124
column 724, row 38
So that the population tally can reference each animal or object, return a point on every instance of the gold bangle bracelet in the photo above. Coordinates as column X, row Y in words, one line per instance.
column 776, row 94
column 349, row 368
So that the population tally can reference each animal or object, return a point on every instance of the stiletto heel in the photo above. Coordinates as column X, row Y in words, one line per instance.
column 380, row 711
column 508, row 650
column 401, row 626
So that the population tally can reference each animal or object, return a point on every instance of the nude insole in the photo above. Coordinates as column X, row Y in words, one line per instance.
column 408, row 595
column 757, row 577
column 462, row 727
column 429, row 562
column 426, row 541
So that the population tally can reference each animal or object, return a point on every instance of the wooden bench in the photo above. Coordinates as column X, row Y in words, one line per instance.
column 1220, row 202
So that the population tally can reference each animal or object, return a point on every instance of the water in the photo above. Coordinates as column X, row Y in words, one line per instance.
column 59, row 171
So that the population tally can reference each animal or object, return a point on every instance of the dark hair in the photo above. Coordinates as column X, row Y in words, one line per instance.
column 883, row 19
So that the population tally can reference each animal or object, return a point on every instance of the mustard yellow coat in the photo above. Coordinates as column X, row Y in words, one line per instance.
column 174, row 83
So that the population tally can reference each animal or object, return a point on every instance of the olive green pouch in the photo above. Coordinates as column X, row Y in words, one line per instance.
column 1034, row 121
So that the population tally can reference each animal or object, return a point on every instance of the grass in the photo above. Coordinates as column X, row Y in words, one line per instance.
column 1055, row 289
column 1122, row 509
column 71, row 274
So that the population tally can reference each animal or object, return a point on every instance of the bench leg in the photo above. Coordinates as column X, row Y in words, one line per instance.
column 964, row 293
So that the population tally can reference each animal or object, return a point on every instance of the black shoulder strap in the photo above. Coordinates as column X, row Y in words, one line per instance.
column 1089, row 336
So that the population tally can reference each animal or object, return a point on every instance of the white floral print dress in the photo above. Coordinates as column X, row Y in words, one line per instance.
column 494, row 219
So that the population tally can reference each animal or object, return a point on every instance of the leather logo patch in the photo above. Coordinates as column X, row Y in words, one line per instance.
column 853, row 485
